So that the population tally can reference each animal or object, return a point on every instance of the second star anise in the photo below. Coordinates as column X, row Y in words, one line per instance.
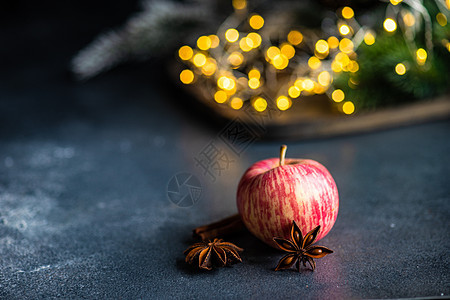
column 300, row 250
column 213, row 253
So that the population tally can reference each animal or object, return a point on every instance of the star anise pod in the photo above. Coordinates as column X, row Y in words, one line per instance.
column 300, row 250
column 213, row 253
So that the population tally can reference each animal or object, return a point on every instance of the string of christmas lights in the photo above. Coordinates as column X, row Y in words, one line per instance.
column 242, row 65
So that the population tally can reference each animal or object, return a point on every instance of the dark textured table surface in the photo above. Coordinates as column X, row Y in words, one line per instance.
column 84, row 170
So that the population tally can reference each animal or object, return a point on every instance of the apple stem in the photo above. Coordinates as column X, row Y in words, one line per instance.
column 282, row 154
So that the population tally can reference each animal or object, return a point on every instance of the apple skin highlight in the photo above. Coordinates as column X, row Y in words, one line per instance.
column 270, row 196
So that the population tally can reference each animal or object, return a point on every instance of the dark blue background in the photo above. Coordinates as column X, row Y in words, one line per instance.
column 84, row 167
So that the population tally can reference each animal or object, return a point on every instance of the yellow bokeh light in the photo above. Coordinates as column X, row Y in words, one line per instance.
column 389, row 25
column 283, row 102
column 314, row 62
column 236, row 103
column 344, row 29
column 346, row 45
column 299, row 84
column 254, row 83
column 231, row 85
column 395, row 2
column 308, row 85
column 204, row 42
column 280, row 61
column 342, row 59
column 239, row 4
column 287, row 50
column 333, row 42
column 337, row 95
column 260, row 104
column 321, row 55
column 232, row 35
column 348, row 108
column 222, row 81
column 256, row 39
column 220, row 96
column 210, row 67
column 254, row 73
column 347, row 12
column 353, row 66
column 256, row 22
column 294, row 91
column 236, row 58
column 319, row 89
column 272, row 52
column 324, row 78
column 369, row 38
column 187, row 76
column 185, row 53
column 400, row 69
column 232, row 91
column 441, row 19
column 199, row 59
column 421, row 56
column 336, row 67
column 246, row 44
column 215, row 41
column 409, row 19
column 226, row 83
column 322, row 46
column 447, row 3
column 295, row 37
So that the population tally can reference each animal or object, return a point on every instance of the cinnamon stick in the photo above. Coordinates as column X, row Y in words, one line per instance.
column 221, row 228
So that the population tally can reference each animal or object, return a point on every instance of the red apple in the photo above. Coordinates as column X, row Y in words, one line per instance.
column 275, row 191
